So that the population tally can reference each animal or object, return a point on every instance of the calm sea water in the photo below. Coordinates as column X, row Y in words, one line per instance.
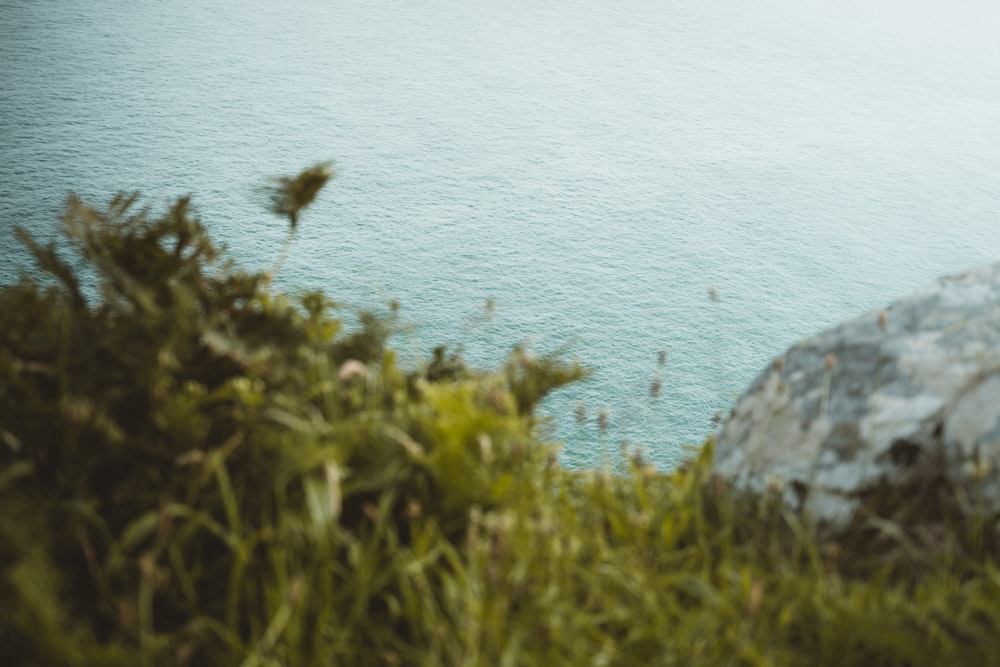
column 593, row 167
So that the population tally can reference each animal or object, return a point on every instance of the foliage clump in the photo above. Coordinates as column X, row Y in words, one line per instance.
column 196, row 469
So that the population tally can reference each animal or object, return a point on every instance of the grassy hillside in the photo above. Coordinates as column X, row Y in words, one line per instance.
column 198, row 470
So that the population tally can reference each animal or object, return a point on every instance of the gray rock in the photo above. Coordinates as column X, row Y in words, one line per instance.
column 886, row 400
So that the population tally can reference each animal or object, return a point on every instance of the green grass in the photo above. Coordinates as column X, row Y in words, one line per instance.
column 198, row 470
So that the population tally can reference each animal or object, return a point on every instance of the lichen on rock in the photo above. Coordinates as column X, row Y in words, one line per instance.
column 905, row 396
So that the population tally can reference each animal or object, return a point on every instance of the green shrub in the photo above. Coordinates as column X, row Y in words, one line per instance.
column 196, row 469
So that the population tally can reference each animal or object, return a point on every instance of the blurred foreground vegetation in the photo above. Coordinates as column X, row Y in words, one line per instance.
column 198, row 470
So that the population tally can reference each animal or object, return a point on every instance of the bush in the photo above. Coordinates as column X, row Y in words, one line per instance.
column 199, row 470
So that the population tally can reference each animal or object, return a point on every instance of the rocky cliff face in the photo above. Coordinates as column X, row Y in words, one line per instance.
column 889, row 400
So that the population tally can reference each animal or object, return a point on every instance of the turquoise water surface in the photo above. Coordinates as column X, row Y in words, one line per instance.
column 591, row 167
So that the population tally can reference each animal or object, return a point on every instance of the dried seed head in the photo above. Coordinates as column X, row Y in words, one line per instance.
column 638, row 458
column 883, row 320
column 190, row 457
column 713, row 294
column 654, row 388
column 831, row 361
column 289, row 196
column 147, row 564
column 485, row 447
column 662, row 357
column 602, row 419
column 165, row 523
column 10, row 440
column 775, row 483
column 500, row 402
column 581, row 413
column 295, row 588
column 350, row 368
column 778, row 364
column 978, row 470
column 78, row 410
column 756, row 597
column 501, row 535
